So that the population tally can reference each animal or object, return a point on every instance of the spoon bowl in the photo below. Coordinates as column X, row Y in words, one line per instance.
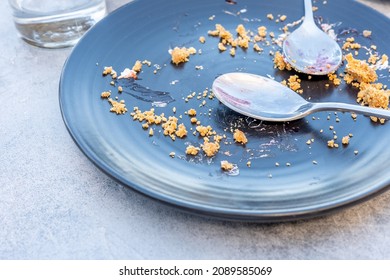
column 265, row 99
column 310, row 50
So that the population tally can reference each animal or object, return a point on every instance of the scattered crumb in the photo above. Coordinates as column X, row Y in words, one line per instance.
column 137, row 66
column 225, row 165
column 240, row 137
column 192, row 150
column 345, row 140
column 367, row 33
column 332, row 144
column 280, row 63
column 181, row 55
column 359, row 71
column 117, row 107
column 210, row 148
column 283, row 18
column 105, row 94
column 351, row 44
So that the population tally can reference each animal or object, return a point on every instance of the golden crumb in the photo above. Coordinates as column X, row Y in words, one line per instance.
column 240, row 137
column 170, row 126
column 181, row 55
column 204, row 130
column 333, row 77
column 151, row 132
column 367, row 33
column 373, row 59
column 120, row 89
column 345, row 140
column 181, row 131
column 241, row 31
column 117, row 107
column 257, row 48
column 280, row 63
column 351, row 44
column 222, row 33
column 359, row 71
column 137, row 66
column 294, row 83
column 105, row 94
column 191, row 112
column 283, row 18
column 262, row 31
column 172, row 154
column 373, row 95
column 270, row 16
column 107, row 70
column 192, row 150
column 232, row 51
column 210, row 148
column 225, row 165
column 332, row 144
column 202, row 39
column 222, row 47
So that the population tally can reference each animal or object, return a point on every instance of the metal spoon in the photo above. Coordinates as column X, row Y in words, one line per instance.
column 265, row 99
column 310, row 50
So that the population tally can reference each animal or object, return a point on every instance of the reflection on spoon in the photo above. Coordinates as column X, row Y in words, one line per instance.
column 309, row 50
column 265, row 99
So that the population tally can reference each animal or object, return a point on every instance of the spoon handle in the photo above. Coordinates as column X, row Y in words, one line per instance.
column 308, row 11
column 344, row 107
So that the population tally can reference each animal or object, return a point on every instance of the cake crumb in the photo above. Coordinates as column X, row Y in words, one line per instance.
column 181, row 55
column 191, row 112
column 105, row 94
column 137, row 66
column 227, row 166
column 332, row 144
column 210, row 148
column 373, row 95
column 345, row 140
column 240, row 137
column 280, row 63
column 192, row 150
column 181, row 131
column 117, row 107
column 283, row 18
column 367, row 33
column 359, row 71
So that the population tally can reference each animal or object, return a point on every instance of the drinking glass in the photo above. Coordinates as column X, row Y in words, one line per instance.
column 55, row 23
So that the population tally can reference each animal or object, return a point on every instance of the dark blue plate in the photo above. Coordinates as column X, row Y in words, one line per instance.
column 310, row 180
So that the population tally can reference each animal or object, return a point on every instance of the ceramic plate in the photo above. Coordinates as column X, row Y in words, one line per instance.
column 287, row 178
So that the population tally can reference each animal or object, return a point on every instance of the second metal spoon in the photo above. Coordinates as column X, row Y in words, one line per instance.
column 265, row 99
column 310, row 50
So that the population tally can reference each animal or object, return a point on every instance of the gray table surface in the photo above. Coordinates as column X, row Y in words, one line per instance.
column 55, row 204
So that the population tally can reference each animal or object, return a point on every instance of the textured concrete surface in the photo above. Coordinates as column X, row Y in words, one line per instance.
column 54, row 204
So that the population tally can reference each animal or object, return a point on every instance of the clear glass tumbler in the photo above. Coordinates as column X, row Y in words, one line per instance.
column 55, row 23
